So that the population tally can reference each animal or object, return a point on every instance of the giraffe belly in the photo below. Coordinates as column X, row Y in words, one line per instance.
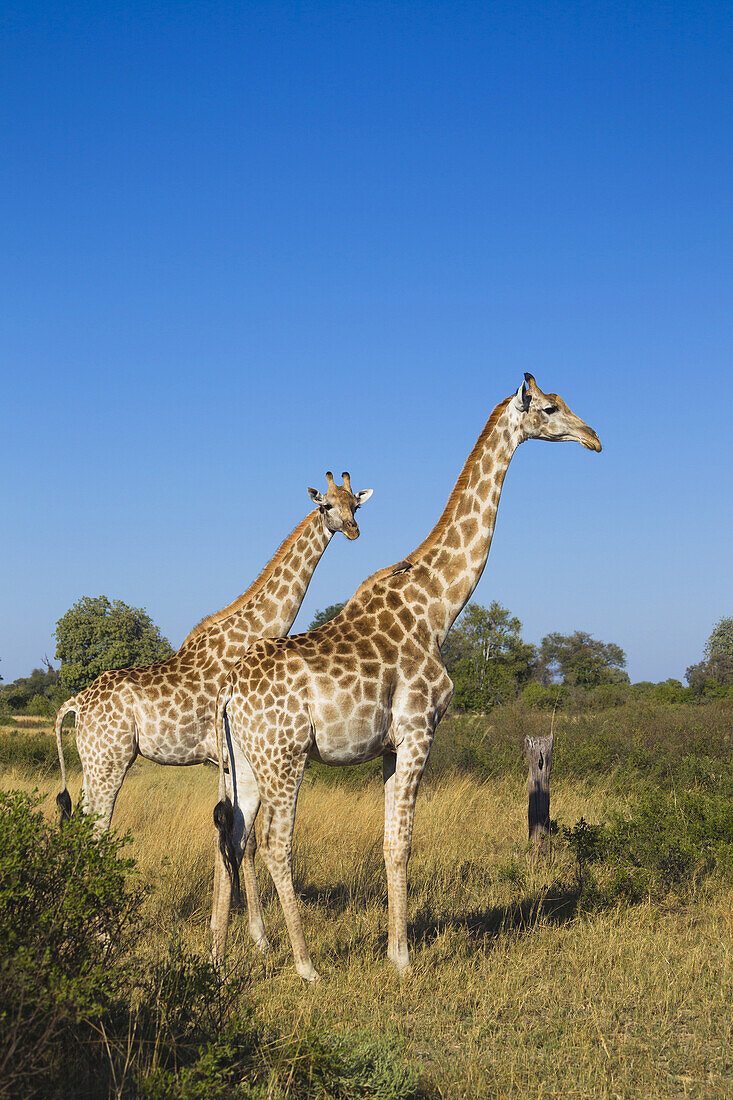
column 351, row 734
column 164, row 740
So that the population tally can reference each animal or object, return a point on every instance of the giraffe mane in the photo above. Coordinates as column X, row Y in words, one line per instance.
column 447, row 514
column 254, row 588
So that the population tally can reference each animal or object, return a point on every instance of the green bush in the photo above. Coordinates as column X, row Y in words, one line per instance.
column 41, row 706
column 34, row 753
column 244, row 1063
column 64, row 911
column 41, row 689
column 83, row 1014
column 605, row 696
column 538, row 697
column 671, row 691
column 634, row 744
column 669, row 843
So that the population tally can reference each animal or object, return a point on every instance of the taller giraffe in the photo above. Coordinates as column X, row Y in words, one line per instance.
column 165, row 712
column 371, row 682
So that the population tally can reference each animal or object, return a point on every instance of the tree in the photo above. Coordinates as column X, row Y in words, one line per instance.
column 97, row 634
column 486, row 657
column 716, row 669
column 719, row 652
column 326, row 615
column 579, row 659
column 38, row 693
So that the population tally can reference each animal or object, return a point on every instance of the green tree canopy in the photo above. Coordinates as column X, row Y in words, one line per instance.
column 719, row 651
column 581, row 659
column 486, row 657
column 38, row 693
column 716, row 669
column 97, row 634
column 326, row 615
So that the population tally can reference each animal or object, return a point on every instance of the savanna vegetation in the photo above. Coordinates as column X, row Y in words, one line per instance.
column 602, row 969
column 488, row 660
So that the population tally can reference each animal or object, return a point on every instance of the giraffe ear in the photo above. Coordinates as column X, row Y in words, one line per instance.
column 316, row 497
column 362, row 496
column 523, row 398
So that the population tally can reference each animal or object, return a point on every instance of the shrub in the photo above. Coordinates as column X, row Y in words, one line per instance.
column 605, row 696
column 670, row 843
column 635, row 744
column 539, row 697
column 34, row 752
column 64, row 911
column 245, row 1063
column 41, row 689
column 671, row 691
column 84, row 1015
column 41, row 706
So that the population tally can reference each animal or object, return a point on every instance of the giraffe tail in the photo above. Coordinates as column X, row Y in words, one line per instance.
column 63, row 799
column 224, row 810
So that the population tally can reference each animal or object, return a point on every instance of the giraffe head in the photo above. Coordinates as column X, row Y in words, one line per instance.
column 338, row 505
column 546, row 416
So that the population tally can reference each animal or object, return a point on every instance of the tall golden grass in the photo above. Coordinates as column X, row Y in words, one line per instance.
column 511, row 995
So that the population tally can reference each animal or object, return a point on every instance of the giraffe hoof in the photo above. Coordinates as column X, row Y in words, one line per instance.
column 309, row 974
column 402, row 967
column 262, row 944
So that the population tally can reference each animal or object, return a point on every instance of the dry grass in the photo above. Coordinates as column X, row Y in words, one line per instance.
column 511, row 994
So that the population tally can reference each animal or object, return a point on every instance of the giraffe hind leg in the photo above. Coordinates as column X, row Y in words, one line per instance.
column 278, row 818
column 106, row 757
column 224, row 823
column 248, row 799
column 238, row 840
column 99, row 798
column 255, row 919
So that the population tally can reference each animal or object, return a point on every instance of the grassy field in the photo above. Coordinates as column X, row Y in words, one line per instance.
column 518, row 987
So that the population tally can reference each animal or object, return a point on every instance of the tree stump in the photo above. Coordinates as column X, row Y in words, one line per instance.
column 539, row 759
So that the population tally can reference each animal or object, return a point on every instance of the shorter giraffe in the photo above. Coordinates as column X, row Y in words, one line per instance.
column 165, row 712
column 370, row 682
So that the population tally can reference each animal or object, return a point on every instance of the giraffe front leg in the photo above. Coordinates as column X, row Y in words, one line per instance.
column 402, row 772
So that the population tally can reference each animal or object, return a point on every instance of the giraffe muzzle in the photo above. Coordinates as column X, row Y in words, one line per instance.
column 351, row 530
column 590, row 440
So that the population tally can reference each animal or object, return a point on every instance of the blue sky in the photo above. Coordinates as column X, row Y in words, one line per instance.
column 245, row 243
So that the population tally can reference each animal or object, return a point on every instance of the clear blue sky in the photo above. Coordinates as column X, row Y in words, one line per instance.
column 246, row 243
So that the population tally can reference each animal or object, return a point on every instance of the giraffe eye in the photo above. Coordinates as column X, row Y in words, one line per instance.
column 550, row 409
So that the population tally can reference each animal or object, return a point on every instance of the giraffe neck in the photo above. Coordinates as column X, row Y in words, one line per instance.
column 455, row 552
column 274, row 599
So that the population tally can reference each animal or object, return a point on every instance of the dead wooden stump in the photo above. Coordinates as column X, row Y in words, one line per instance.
column 539, row 759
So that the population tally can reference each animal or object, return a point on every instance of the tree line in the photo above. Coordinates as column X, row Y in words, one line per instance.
column 94, row 635
column 486, row 657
